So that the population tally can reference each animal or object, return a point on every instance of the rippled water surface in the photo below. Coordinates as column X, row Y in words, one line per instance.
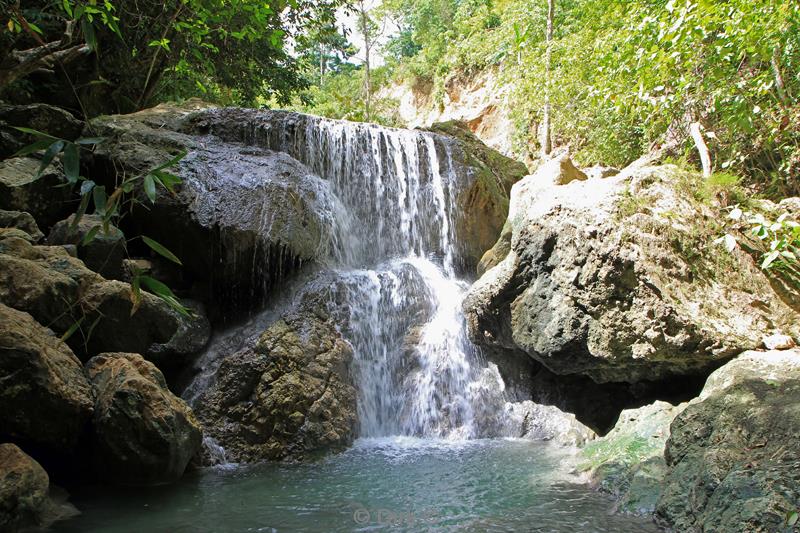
column 395, row 484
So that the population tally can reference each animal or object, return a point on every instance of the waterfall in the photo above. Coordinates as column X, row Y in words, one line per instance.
column 415, row 371
column 399, row 188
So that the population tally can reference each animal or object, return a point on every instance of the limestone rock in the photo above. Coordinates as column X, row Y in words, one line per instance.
column 549, row 423
column 20, row 190
column 778, row 342
column 142, row 433
column 238, row 205
column 615, row 279
column 22, row 221
column 732, row 456
column 628, row 462
column 103, row 254
column 45, row 398
column 560, row 170
column 23, row 489
column 58, row 290
column 289, row 397
column 483, row 203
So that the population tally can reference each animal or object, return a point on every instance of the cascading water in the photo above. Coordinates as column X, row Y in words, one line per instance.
column 413, row 362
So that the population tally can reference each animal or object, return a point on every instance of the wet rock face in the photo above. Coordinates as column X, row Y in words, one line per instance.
column 606, row 278
column 289, row 397
column 45, row 399
column 142, row 433
column 244, row 217
column 58, row 290
column 732, row 456
column 475, row 179
column 23, row 489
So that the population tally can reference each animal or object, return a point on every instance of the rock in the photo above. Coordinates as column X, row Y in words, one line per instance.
column 20, row 190
column 21, row 221
column 601, row 172
column 732, row 456
column 549, row 423
column 560, row 170
column 628, row 462
column 616, row 280
column 244, row 217
column 142, row 433
column 103, row 254
column 483, row 203
column 59, row 291
column 23, row 489
column 289, row 397
column 45, row 399
column 778, row 342
column 44, row 118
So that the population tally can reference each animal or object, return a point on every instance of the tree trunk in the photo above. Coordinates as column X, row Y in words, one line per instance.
column 367, row 47
column 702, row 148
column 546, row 141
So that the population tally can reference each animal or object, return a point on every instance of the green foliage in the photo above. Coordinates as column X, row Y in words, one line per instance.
column 150, row 51
column 777, row 241
column 110, row 207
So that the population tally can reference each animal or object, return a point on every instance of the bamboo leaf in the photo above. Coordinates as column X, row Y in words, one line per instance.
column 89, row 237
column 72, row 329
column 49, row 155
column 72, row 163
column 161, row 250
column 172, row 162
column 36, row 133
column 42, row 144
column 164, row 292
column 150, row 188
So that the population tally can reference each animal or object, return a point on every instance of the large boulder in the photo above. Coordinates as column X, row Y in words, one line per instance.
column 103, row 253
column 42, row 197
column 41, row 117
column 732, row 455
column 243, row 218
column 142, row 433
column 60, row 292
column 617, row 279
column 45, row 399
column 23, row 489
column 628, row 462
column 290, row 396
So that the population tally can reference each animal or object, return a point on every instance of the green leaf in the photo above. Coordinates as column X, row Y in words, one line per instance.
column 769, row 259
column 86, row 187
column 163, row 292
column 172, row 162
column 88, row 34
column 80, row 212
column 36, row 133
column 72, row 162
column 72, row 329
column 49, row 155
column 161, row 250
column 167, row 179
column 90, row 140
column 150, row 188
column 100, row 200
column 90, row 235
column 35, row 147
column 792, row 518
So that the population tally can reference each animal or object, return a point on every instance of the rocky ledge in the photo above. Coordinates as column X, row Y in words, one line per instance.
column 617, row 279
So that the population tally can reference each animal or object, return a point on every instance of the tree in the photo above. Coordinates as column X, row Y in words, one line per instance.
column 370, row 32
column 150, row 50
column 546, row 141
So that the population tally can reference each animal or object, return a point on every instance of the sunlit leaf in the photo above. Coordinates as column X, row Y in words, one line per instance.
column 161, row 250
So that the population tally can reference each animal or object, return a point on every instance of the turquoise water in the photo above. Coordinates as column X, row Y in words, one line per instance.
column 395, row 484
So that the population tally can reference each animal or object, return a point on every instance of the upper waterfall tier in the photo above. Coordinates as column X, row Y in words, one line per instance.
column 409, row 192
